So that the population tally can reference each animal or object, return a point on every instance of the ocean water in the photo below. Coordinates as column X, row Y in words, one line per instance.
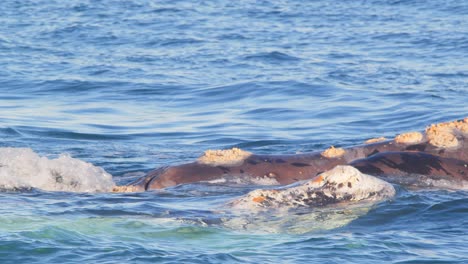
column 102, row 90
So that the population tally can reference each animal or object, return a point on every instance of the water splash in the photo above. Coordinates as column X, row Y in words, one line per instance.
column 22, row 168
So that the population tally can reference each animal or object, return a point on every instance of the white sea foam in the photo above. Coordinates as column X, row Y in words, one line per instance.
column 417, row 182
column 23, row 168
column 244, row 180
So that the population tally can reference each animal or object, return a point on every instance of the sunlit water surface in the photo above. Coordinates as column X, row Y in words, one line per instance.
column 132, row 85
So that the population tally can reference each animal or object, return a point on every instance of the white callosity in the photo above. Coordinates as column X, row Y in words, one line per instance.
column 23, row 168
column 341, row 184
column 226, row 157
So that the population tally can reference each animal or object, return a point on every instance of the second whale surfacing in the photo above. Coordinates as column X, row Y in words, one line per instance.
column 438, row 158
column 341, row 184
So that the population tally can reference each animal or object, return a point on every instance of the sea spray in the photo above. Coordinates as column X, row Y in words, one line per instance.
column 23, row 168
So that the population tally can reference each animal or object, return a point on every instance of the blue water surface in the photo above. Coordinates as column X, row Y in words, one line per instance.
column 133, row 85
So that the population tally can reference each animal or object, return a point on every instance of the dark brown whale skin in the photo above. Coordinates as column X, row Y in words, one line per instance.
column 286, row 169
column 375, row 159
column 407, row 167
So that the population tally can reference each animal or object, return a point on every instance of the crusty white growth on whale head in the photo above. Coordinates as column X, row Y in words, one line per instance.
column 227, row 157
column 409, row 138
column 442, row 139
column 462, row 126
column 444, row 135
column 333, row 152
column 126, row 189
column 338, row 185
column 454, row 126
column 375, row 140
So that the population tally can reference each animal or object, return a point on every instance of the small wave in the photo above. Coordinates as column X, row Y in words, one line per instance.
column 64, row 33
column 167, row 10
column 8, row 131
column 393, row 36
column 22, row 168
column 274, row 56
column 64, row 134
column 233, row 36
column 450, row 75
column 142, row 58
column 180, row 41
column 66, row 87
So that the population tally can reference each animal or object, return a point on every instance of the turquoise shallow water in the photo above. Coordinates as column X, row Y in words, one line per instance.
column 133, row 85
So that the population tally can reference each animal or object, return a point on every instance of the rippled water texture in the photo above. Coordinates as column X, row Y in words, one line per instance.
column 133, row 85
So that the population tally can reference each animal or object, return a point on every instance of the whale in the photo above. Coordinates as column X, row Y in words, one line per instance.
column 416, row 169
column 341, row 185
column 440, row 152
column 369, row 180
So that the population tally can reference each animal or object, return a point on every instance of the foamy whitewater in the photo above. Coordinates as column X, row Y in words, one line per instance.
column 22, row 168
